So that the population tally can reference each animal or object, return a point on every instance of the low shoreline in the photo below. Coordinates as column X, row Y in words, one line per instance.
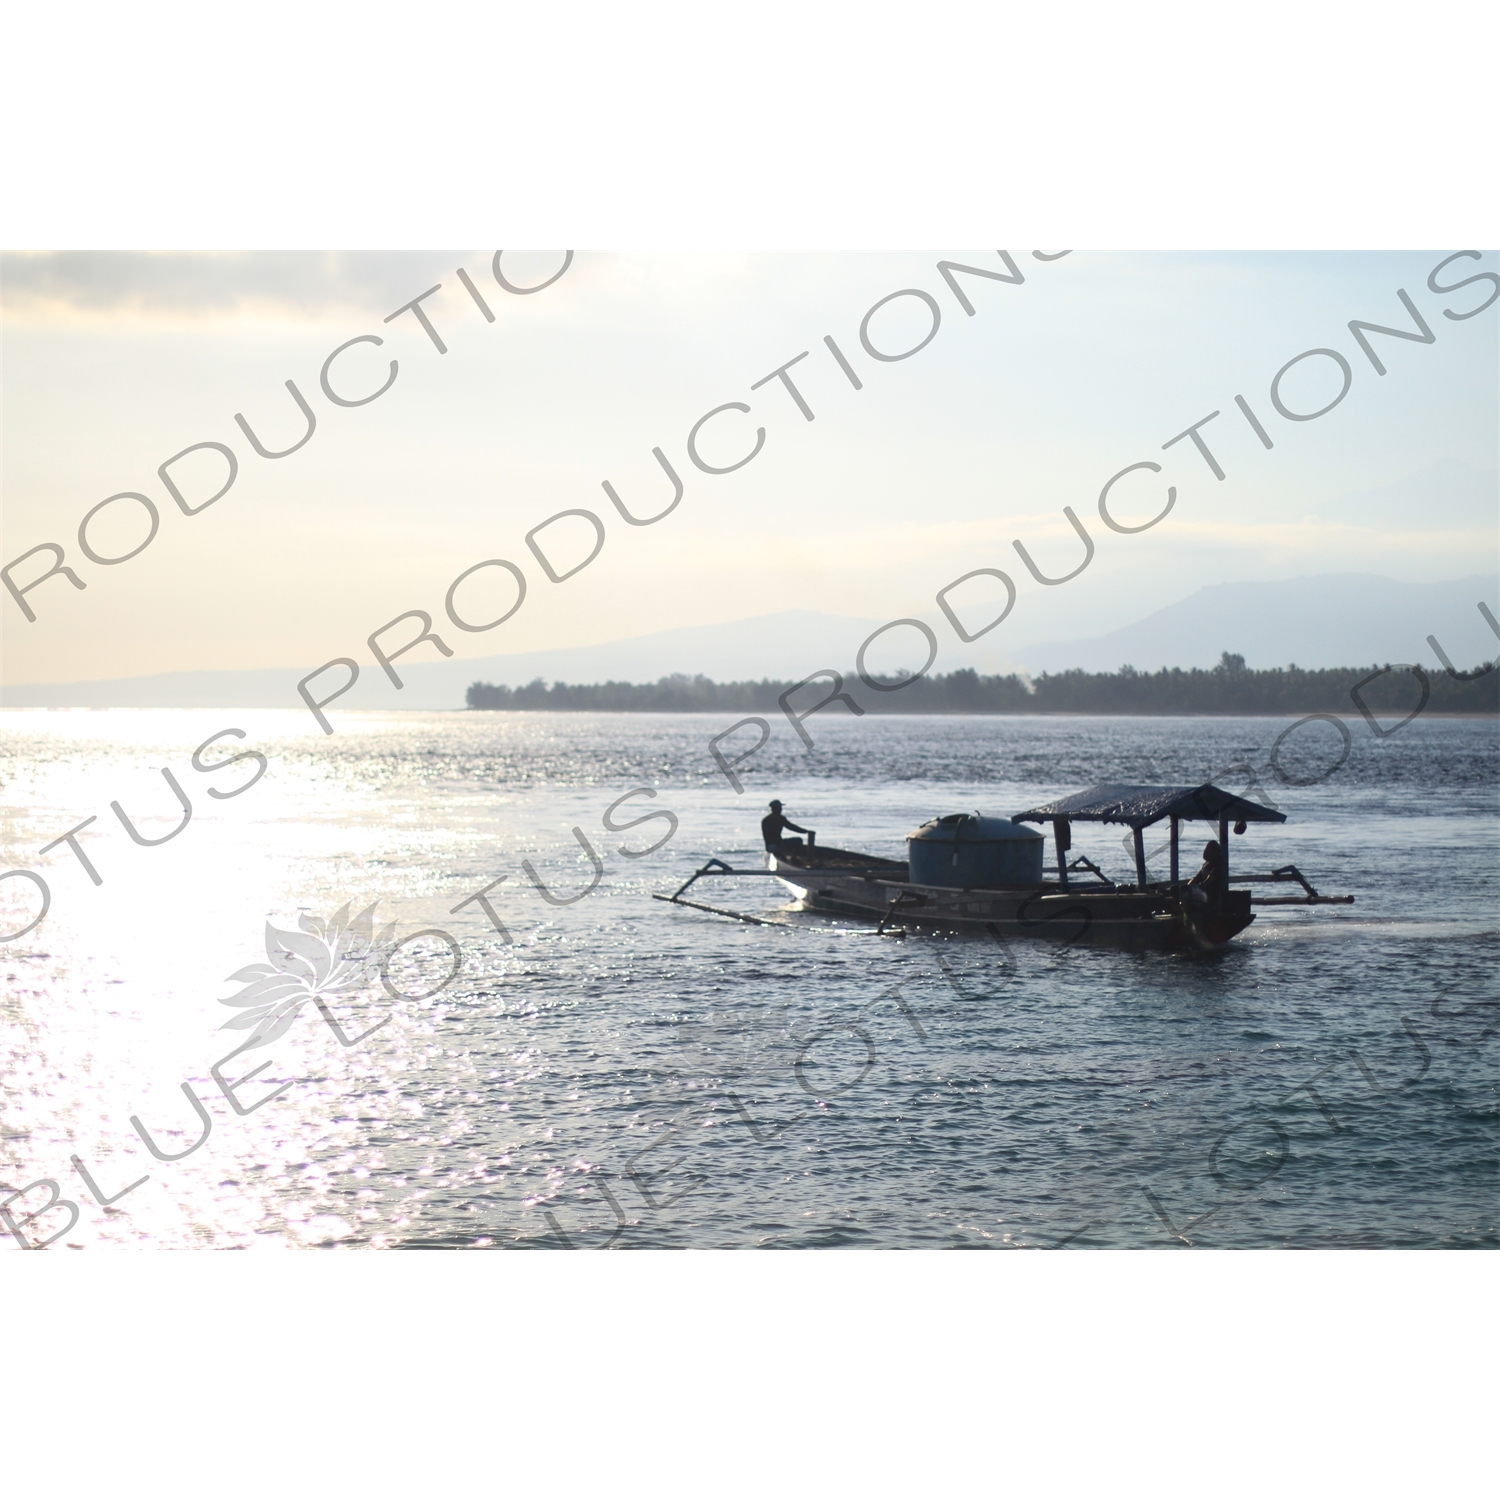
column 1228, row 690
column 979, row 713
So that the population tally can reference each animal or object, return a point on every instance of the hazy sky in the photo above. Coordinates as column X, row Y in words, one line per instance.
column 114, row 363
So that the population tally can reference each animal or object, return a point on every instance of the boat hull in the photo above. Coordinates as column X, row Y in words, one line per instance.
column 1157, row 918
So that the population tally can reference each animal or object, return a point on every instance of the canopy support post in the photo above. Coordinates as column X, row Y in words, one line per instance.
column 1061, row 836
column 1224, row 851
column 1176, row 826
column 1140, row 859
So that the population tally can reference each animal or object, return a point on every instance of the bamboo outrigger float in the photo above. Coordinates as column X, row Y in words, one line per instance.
column 967, row 872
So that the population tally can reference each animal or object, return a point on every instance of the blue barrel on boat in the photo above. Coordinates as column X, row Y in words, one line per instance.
column 965, row 849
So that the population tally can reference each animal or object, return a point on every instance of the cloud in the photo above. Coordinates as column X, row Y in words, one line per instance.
column 293, row 285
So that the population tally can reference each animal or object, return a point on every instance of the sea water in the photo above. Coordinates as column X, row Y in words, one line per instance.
column 612, row 1071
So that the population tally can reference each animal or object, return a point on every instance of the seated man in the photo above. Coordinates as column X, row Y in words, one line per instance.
column 1208, row 883
column 772, row 830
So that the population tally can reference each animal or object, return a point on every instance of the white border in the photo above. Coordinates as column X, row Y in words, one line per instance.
column 1289, row 124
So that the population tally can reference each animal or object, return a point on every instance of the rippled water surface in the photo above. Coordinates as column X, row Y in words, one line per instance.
column 632, row 1074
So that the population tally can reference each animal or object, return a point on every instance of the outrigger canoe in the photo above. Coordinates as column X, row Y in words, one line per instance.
column 965, row 872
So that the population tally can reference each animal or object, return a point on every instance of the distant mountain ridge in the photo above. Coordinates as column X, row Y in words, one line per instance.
column 788, row 644
column 1323, row 621
column 1318, row 622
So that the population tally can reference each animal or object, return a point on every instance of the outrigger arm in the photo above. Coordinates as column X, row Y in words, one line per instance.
column 719, row 867
column 1291, row 872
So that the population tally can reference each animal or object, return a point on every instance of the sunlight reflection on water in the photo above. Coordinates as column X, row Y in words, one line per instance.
column 625, row 1063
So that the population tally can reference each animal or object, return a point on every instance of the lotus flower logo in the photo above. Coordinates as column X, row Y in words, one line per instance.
column 340, row 957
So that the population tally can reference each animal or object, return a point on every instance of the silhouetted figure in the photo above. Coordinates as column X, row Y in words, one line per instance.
column 1208, row 883
column 773, row 830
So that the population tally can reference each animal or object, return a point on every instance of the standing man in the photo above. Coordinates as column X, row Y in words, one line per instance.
column 773, row 830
